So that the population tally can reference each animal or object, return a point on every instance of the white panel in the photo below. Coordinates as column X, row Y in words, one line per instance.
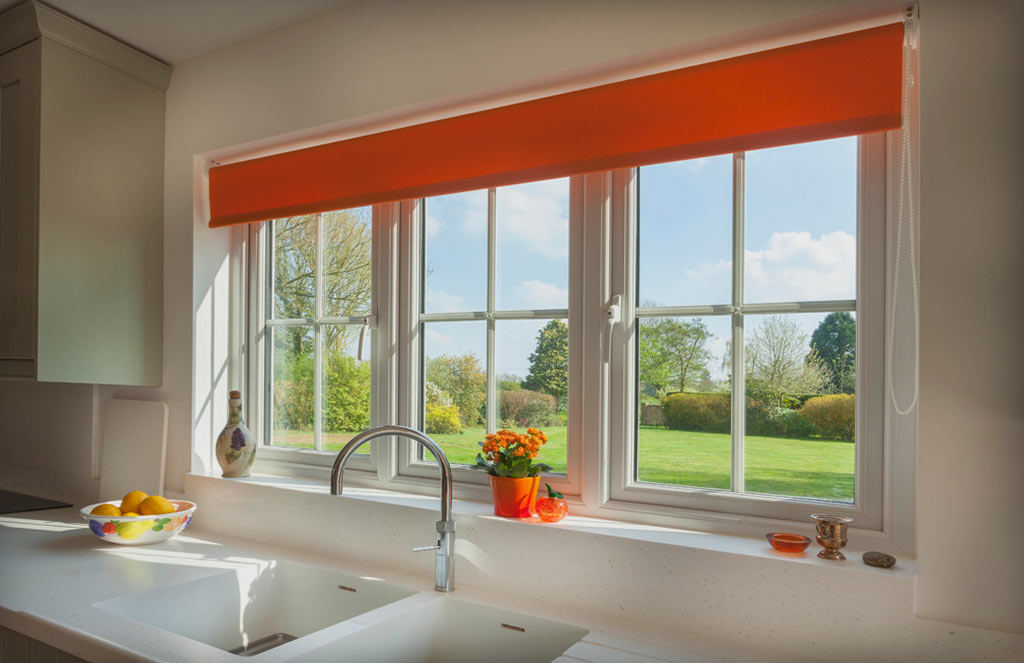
column 100, row 223
column 134, row 448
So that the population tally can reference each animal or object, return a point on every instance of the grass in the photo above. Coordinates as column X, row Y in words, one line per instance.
column 774, row 465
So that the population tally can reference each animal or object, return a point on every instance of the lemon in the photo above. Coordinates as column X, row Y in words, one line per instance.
column 106, row 510
column 132, row 500
column 129, row 514
column 155, row 505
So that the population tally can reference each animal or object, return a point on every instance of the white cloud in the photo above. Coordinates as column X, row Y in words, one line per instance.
column 537, row 216
column 538, row 294
column 437, row 339
column 439, row 301
column 796, row 267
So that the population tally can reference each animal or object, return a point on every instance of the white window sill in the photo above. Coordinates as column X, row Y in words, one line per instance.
column 748, row 546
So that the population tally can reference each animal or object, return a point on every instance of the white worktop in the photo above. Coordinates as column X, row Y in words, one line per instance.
column 55, row 571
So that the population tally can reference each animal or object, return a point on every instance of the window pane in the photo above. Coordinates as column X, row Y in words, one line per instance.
column 801, row 222
column 800, row 420
column 346, row 386
column 532, row 363
column 455, row 387
column 347, row 268
column 455, row 254
column 684, row 402
column 294, row 258
column 292, row 421
column 685, row 233
column 533, row 245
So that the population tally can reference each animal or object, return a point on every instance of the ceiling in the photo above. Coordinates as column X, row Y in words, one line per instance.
column 177, row 30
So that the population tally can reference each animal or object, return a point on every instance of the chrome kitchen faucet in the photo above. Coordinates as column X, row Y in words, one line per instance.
column 444, row 567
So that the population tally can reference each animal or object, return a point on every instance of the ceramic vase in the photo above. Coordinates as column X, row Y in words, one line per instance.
column 236, row 448
column 514, row 498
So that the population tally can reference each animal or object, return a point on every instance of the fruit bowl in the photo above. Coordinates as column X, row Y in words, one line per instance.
column 139, row 530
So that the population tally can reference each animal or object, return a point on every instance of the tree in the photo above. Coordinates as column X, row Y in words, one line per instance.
column 549, row 362
column 463, row 380
column 674, row 354
column 835, row 341
column 346, row 272
column 777, row 363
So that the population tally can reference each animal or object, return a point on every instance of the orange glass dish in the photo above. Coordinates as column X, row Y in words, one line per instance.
column 552, row 508
column 788, row 543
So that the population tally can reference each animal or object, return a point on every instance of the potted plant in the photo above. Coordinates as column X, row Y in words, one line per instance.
column 507, row 457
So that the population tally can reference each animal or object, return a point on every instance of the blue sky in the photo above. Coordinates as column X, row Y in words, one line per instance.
column 800, row 216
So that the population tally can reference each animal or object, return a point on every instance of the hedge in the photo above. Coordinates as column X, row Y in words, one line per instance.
column 830, row 416
column 834, row 415
column 523, row 407
column 698, row 412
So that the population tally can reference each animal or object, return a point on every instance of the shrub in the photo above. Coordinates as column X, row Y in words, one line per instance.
column 522, row 407
column 697, row 412
column 443, row 419
column 834, row 415
column 347, row 397
column 784, row 422
column 796, row 401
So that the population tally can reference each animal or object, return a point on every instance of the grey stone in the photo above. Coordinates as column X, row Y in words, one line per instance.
column 875, row 558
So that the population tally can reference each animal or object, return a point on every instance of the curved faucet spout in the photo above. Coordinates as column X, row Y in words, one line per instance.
column 337, row 472
column 444, row 577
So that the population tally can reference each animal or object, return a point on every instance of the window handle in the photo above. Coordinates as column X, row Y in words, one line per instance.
column 368, row 321
column 613, row 315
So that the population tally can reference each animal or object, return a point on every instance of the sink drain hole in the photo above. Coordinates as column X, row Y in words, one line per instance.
column 263, row 644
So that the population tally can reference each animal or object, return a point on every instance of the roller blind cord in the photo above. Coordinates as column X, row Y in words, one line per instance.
column 905, row 204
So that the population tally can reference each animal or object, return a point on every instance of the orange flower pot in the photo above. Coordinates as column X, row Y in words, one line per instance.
column 514, row 498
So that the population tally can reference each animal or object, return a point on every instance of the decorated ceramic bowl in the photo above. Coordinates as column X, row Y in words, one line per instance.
column 139, row 530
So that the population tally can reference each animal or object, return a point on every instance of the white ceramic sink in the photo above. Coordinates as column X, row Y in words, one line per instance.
column 452, row 631
column 256, row 600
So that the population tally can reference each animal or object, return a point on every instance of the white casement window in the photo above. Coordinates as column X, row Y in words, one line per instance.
column 748, row 379
column 312, row 281
column 488, row 324
column 702, row 340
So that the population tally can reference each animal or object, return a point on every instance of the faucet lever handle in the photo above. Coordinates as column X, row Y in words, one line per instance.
column 425, row 548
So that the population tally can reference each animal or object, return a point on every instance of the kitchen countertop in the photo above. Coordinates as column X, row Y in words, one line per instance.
column 54, row 572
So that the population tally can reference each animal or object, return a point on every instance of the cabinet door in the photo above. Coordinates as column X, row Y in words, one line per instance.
column 19, row 149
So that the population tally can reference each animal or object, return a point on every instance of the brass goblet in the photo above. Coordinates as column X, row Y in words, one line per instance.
column 831, row 534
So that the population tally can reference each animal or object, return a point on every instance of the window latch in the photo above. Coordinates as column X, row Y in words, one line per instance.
column 613, row 315
column 368, row 321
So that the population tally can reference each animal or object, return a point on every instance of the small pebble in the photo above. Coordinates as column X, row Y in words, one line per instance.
column 875, row 558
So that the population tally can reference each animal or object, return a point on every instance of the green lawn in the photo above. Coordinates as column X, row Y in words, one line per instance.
column 774, row 465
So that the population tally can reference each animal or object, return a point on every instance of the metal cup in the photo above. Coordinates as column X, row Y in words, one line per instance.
column 831, row 534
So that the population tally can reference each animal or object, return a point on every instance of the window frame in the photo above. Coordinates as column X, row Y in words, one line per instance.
column 626, row 493
column 261, row 322
column 410, row 468
column 602, row 242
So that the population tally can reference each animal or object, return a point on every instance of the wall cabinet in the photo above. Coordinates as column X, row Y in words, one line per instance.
column 81, row 203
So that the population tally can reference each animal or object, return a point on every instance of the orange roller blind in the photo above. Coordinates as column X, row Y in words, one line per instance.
column 839, row 86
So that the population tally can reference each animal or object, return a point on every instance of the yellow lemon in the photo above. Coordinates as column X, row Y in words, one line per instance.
column 129, row 514
column 106, row 510
column 155, row 505
column 132, row 500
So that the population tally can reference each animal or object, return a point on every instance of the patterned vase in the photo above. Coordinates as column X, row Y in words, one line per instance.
column 236, row 449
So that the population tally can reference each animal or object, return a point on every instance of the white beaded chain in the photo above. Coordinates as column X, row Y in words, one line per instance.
column 906, row 192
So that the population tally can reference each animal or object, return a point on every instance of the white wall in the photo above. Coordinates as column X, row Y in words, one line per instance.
column 374, row 55
column 971, row 449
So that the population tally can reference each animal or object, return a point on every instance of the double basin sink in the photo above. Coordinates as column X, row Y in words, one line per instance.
column 285, row 611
